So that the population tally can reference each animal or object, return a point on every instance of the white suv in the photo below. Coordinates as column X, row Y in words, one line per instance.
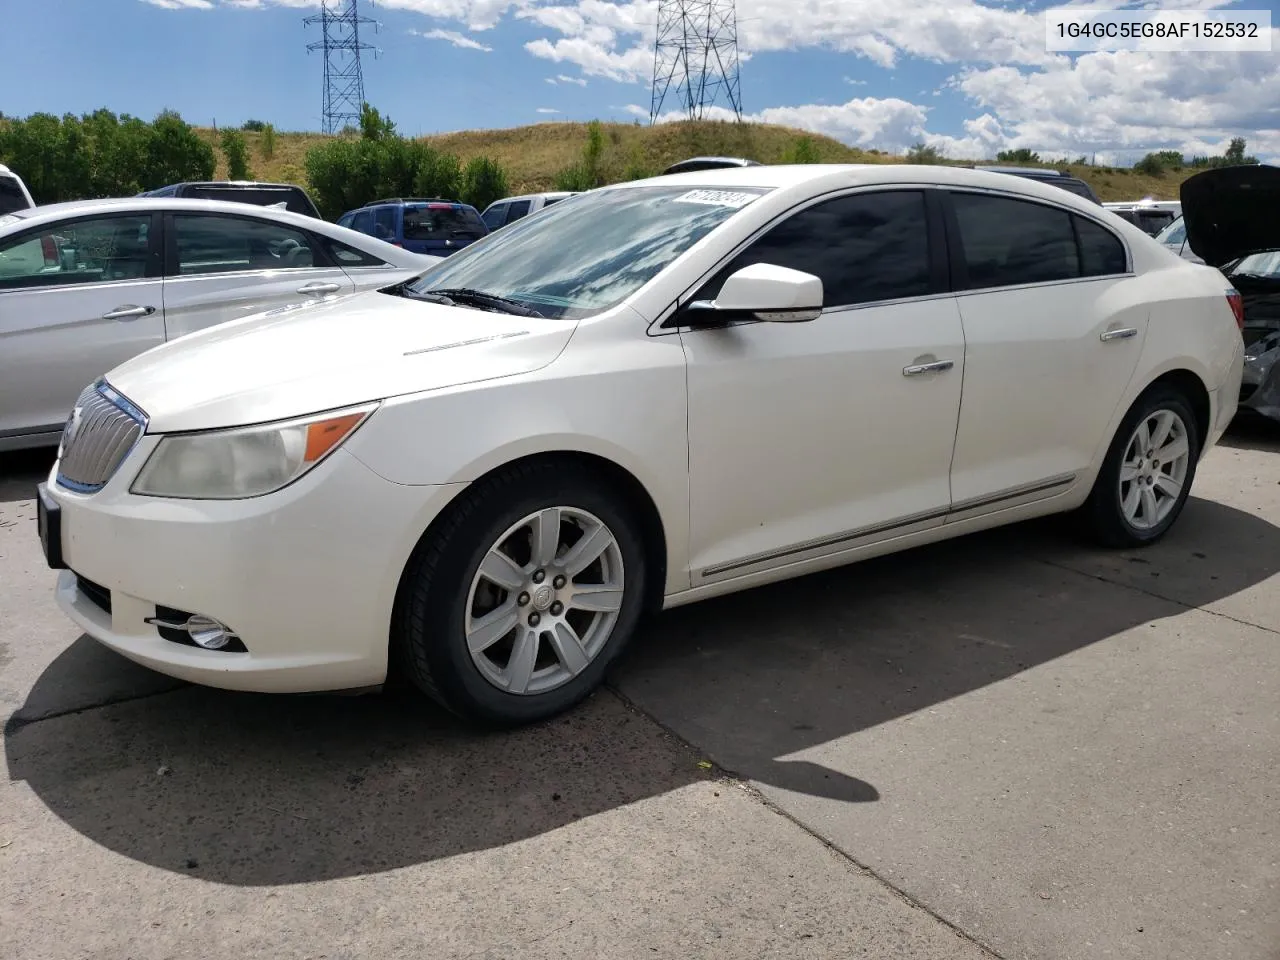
column 13, row 192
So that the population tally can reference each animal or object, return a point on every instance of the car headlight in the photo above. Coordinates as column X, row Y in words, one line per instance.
column 245, row 461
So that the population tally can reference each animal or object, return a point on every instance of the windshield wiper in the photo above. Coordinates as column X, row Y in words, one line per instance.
column 467, row 297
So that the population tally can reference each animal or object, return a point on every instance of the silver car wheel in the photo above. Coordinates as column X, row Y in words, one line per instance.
column 1154, row 469
column 545, row 600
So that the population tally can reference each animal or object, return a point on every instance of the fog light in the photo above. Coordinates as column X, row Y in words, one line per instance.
column 195, row 629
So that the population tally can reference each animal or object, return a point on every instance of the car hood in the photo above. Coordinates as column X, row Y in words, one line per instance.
column 1232, row 211
column 324, row 355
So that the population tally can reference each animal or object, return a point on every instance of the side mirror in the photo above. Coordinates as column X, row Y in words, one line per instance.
column 761, row 291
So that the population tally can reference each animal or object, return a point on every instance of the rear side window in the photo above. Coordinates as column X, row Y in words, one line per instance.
column 217, row 244
column 11, row 196
column 384, row 223
column 1101, row 252
column 363, row 222
column 495, row 216
column 865, row 247
column 1007, row 242
column 442, row 222
column 517, row 210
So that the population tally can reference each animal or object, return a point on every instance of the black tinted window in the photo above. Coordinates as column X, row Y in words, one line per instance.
column 867, row 247
column 517, row 210
column 442, row 222
column 349, row 256
column 211, row 244
column 11, row 196
column 1101, row 252
column 294, row 200
column 384, row 223
column 363, row 222
column 495, row 216
column 1008, row 242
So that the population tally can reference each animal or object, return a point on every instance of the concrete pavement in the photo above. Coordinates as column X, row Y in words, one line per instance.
column 1009, row 745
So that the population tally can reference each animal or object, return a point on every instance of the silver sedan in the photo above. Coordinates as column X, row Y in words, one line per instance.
column 84, row 286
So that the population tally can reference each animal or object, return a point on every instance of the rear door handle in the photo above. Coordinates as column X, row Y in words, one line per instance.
column 319, row 287
column 936, row 367
column 128, row 312
column 1124, row 333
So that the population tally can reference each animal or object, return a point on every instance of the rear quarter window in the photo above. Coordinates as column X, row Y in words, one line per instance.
column 11, row 195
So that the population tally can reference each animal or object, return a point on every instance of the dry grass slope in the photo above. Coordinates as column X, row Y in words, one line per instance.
column 533, row 155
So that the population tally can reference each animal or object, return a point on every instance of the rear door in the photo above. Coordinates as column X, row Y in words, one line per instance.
column 77, row 298
column 1050, row 345
column 220, row 267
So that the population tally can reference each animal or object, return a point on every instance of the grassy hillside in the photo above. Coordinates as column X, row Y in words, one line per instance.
column 532, row 155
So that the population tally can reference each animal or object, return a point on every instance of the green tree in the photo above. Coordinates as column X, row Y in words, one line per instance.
column 176, row 153
column 1151, row 165
column 254, row 126
column 439, row 175
column 373, row 125
column 922, row 153
column 1021, row 155
column 236, row 151
column 483, row 181
column 588, row 172
column 268, row 142
column 802, row 150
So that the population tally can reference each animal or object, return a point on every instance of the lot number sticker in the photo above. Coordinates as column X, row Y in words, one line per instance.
column 717, row 198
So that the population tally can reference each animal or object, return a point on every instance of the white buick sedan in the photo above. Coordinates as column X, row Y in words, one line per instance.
column 648, row 395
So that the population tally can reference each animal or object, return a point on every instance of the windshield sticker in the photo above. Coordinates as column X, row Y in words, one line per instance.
column 717, row 198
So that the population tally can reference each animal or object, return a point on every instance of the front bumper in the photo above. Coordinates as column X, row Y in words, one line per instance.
column 306, row 577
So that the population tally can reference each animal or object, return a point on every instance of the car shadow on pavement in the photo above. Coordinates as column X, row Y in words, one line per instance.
column 256, row 790
column 20, row 471
column 1252, row 431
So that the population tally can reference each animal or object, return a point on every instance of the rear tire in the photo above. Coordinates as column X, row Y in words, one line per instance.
column 498, row 618
column 1148, row 471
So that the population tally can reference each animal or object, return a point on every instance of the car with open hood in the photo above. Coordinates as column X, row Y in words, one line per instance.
column 1232, row 217
column 650, row 394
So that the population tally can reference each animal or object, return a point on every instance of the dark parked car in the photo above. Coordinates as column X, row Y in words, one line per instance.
column 1232, row 218
column 419, row 224
column 708, row 163
column 288, row 195
column 1058, row 178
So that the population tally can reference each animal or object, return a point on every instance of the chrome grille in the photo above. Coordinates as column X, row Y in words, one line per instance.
column 99, row 434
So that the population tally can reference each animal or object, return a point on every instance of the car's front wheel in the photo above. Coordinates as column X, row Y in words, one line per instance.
column 1148, row 471
column 515, row 605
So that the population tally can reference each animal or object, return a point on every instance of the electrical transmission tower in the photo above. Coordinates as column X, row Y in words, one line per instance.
column 697, row 49
column 340, row 22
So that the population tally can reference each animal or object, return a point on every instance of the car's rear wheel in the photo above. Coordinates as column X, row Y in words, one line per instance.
column 1148, row 471
column 516, row 604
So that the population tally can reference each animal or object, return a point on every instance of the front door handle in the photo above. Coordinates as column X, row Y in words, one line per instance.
column 319, row 287
column 1124, row 333
column 936, row 366
column 128, row 312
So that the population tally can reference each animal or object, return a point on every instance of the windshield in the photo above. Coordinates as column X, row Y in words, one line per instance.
column 442, row 221
column 1175, row 232
column 1262, row 266
column 590, row 252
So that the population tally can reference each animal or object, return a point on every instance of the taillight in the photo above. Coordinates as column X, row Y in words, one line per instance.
column 49, row 248
column 1237, row 306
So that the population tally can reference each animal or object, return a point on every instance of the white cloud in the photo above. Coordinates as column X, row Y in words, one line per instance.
column 181, row 4
column 546, row 110
column 578, row 80
column 453, row 37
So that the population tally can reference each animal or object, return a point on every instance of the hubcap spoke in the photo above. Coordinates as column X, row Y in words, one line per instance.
column 524, row 655
column 1132, row 500
column 596, row 599
column 501, row 570
column 1128, row 471
column 568, row 647
column 1173, row 450
column 1143, row 437
column 546, row 537
column 1168, row 485
column 1164, row 424
column 1150, row 510
column 587, row 550
column 493, row 626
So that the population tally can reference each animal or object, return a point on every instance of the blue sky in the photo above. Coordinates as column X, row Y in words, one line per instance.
column 968, row 77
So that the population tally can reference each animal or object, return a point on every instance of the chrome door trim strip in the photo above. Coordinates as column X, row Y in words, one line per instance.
column 836, row 540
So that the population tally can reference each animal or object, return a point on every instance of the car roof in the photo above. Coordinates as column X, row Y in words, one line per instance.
column 127, row 204
column 841, row 175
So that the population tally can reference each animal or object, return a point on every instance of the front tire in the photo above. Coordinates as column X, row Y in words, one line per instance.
column 515, row 605
column 1148, row 471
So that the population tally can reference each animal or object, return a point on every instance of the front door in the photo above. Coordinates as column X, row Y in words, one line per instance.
column 77, row 298
column 808, row 439
column 222, row 267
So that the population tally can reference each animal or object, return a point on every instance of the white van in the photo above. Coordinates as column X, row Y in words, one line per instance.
column 13, row 192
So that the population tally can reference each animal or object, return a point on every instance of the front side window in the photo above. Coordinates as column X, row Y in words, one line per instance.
column 864, row 247
column 591, row 252
column 517, row 210
column 88, row 251
column 495, row 216
column 215, row 244
column 442, row 221
column 1007, row 242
